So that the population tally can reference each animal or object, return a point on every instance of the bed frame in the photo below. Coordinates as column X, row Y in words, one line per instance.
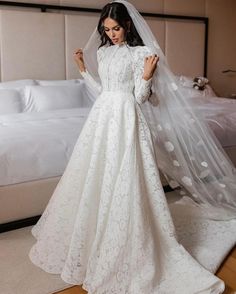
column 28, row 200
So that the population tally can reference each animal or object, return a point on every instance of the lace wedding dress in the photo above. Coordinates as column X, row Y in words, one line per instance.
column 107, row 225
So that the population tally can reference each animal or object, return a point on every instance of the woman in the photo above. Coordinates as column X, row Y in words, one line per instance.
column 107, row 225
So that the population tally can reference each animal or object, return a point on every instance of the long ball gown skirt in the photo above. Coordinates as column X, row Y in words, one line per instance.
column 107, row 225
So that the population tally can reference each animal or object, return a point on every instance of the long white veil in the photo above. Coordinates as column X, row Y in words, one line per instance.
column 187, row 151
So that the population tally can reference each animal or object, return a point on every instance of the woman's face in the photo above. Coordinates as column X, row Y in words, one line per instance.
column 114, row 31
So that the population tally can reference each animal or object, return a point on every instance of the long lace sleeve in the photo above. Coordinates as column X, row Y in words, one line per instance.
column 87, row 76
column 142, row 88
column 90, row 80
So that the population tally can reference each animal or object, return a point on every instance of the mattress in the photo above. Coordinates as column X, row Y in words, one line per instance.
column 36, row 146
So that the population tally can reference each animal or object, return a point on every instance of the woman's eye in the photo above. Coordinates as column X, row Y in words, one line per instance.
column 116, row 29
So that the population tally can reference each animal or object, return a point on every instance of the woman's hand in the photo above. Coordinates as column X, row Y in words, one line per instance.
column 150, row 64
column 79, row 59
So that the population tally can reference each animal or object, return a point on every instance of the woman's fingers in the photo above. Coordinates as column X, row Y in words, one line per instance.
column 152, row 58
column 78, row 57
column 156, row 57
column 150, row 65
column 79, row 52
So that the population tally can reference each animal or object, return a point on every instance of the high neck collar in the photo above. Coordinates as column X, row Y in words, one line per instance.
column 124, row 43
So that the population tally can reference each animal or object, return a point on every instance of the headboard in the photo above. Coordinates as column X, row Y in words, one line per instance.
column 39, row 42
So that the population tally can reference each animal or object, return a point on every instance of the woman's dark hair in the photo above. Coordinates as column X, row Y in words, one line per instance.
column 119, row 13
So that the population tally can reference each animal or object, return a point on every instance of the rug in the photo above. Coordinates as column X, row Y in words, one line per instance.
column 17, row 274
column 207, row 241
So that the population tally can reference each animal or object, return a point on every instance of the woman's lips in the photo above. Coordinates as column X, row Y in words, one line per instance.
column 114, row 40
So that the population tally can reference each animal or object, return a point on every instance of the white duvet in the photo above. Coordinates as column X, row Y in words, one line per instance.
column 38, row 145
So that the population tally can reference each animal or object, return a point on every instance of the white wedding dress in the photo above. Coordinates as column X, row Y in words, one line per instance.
column 107, row 225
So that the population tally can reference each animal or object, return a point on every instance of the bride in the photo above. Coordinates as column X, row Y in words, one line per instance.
column 107, row 225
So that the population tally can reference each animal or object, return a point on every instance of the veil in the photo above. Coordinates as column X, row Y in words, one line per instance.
column 187, row 151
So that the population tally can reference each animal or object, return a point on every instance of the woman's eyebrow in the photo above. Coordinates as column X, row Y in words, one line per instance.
column 113, row 27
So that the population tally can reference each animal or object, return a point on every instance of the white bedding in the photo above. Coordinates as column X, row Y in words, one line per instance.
column 38, row 145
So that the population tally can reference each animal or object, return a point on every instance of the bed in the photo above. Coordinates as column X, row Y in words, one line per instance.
column 39, row 129
column 37, row 134
column 220, row 112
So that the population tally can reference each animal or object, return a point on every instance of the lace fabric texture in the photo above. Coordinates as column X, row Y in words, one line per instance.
column 129, row 76
column 107, row 225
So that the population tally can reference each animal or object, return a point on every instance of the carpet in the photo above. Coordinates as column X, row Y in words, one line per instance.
column 17, row 274
column 207, row 241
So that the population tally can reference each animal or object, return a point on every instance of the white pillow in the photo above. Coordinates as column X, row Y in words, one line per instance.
column 44, row 98
column 17, row 84
column 56, row 82
column 10, row 101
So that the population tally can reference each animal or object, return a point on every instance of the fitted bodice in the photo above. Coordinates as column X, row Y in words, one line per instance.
column 120, row 69
column 116, row 69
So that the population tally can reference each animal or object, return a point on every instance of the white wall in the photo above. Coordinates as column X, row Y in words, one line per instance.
column 222, row 26
column 222, row 34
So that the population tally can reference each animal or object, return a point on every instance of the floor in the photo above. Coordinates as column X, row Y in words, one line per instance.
column 227, row 272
